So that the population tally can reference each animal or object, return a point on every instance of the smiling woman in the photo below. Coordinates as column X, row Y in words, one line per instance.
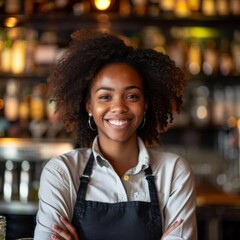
column 116, row 100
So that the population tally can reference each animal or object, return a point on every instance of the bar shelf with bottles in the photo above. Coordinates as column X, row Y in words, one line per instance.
column 76, row 14
column 209, row 56
column 203, row 37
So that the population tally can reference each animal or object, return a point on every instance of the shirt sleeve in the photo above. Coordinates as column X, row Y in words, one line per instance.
column 54, row 198
column 181, row 203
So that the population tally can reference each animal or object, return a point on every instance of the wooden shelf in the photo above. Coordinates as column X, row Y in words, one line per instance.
column 62, row 21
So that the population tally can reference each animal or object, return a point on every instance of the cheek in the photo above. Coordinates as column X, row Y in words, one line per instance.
column 99, row 110
column 139, row 112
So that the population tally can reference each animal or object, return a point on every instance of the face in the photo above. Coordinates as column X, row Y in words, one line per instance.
column 117, row 102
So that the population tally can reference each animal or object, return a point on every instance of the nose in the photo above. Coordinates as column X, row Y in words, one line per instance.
column 118, row 106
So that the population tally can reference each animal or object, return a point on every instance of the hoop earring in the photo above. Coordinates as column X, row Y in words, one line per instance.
column 143, row 122
column 90, row 121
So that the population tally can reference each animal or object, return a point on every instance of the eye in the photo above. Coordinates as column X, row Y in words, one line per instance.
column 132, row 97
column 104, row 97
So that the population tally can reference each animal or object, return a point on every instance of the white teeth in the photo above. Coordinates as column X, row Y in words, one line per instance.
column 118, row 122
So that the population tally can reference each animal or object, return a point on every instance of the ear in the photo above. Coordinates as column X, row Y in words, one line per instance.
column 88, row 106
column 146, row 107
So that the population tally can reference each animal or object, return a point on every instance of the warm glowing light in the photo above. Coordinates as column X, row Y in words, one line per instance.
column 102, row 4
column 1, row 103
column 202, row 112
column 160, row 49
column 194, row 32
column 10, row 22
column 232, row 122
column 238, row 123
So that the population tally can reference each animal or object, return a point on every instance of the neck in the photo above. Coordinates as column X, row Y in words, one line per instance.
column 122, row 156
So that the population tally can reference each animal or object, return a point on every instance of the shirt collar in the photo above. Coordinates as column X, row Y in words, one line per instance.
column 143, row 157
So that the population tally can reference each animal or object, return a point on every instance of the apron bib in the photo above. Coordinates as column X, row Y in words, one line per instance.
column 117, row 221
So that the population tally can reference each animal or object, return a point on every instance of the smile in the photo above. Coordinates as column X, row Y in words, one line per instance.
column 118, row 122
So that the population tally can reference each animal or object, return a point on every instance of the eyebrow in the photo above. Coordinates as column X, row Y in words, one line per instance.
column 112, row 89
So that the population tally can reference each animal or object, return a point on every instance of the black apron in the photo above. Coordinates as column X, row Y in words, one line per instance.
column 114, row 221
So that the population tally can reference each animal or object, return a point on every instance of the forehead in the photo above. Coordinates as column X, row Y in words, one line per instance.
column 117, row 75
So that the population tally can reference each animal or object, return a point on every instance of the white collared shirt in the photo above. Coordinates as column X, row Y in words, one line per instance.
column 174, row 181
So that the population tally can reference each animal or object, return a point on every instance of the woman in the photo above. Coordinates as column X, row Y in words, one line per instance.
column 116, row 100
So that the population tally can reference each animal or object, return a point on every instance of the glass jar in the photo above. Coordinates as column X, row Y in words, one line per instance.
column 2, row 227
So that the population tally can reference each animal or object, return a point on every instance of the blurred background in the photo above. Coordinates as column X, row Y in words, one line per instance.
column 201, row 36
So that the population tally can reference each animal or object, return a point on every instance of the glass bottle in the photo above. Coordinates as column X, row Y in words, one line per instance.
column 210, row 58
column 2, row 227
column 194, row 57
column 11, row 100
column 208, row 7
column 167, row 5
column 222, row 7
column 181, row 8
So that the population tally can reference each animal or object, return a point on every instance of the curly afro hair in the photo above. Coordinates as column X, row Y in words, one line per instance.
column 69, row 84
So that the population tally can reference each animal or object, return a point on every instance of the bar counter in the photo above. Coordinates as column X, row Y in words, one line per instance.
column 207, row 195
column 218, row 215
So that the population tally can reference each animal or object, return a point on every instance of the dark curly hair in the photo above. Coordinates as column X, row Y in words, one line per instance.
column 69, row 84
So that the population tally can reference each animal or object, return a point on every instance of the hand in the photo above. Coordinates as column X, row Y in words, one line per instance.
column 171, row 228
column 69, row 234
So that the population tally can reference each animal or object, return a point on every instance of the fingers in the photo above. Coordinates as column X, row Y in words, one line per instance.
column 69, row 227
column 61, row 234
column 171, row 228
column 68, row 234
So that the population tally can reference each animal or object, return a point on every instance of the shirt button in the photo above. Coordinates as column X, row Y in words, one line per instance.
column 126, row 177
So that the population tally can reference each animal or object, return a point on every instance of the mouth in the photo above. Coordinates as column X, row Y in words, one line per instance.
column 118, row 122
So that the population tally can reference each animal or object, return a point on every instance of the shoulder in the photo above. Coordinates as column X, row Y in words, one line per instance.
column 171, row 172
column 167, row 161
column 70, row 163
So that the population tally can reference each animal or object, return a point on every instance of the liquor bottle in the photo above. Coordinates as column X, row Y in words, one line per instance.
column 181, row 8
column 208, row 7
column 218, row 106
column 31, row 39
column 38, row 125
column 37, row 107
column 18, row 55
column 45, row 54
column 210, row 58
column 24, row 113
column 234, row 7
column 139, row 7
column 200, row 106
column 8, row 179
column 222, row 7
column 167, row 5
column 226, row 59
column 12, row 6
column 38, row 6
column 6, row 53
column 153, row 8
column 177, row 50
column 11, row 101
column 3, row 223
column 63, row 6
column 235, row 49
column 80, row 7
column 194, row 59
column 24, row 181
column 29, row 7
column 125, row 8
column 194, row 5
